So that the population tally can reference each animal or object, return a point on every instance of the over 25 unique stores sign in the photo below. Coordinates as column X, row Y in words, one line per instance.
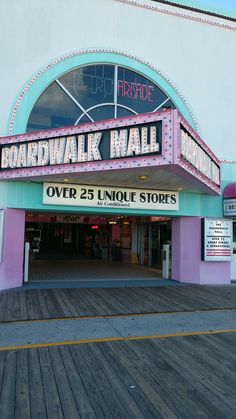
column 109, row 197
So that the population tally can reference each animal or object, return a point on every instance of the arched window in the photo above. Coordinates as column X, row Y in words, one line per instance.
column 95, row 92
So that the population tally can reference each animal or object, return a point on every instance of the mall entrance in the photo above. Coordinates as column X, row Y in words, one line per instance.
column 74, row 247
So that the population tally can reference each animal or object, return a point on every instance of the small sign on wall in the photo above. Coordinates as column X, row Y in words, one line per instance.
column 217, row 239
column 229, row 207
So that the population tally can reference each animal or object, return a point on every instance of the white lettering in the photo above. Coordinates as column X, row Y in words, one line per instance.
column 93, row 146
column 56, row 150
column 43, row 153
column 134, row 142
column 22, row 156
column 70, row 150
column 5, row 158
column 118, row 143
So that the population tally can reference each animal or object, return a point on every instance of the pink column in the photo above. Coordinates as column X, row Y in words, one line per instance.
column 11, row 264
column 187, row 265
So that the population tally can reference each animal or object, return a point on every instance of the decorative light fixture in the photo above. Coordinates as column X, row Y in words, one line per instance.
column 143, row 177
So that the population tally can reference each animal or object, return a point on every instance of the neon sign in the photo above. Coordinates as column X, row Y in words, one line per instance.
column 134, row 91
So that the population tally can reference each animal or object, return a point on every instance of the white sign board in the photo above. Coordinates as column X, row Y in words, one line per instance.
column 217, row 239
column 229, row 207
column 109, row 197
column 1, row 232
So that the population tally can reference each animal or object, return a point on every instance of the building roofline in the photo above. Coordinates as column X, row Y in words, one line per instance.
column 195, row 9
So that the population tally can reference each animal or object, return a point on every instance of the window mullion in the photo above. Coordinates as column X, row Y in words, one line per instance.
column 115, row 88
column 72, row 98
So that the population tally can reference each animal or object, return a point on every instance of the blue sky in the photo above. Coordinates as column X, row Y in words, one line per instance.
column 224, row 7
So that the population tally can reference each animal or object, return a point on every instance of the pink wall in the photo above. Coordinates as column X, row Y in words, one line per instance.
column 11, row 265
column 187, row 265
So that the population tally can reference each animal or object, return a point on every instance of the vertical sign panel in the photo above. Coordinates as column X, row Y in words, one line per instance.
column 217, row 239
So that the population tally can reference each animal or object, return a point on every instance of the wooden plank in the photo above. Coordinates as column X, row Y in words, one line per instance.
column 52, row 303
column 118, row 386
column 43, row 305
column 223, row 348
column 5, row 299
column 35, row 304
column 141, row 392
column 37, row 397
column 7, row 397
column 206, row 391
column 85, row 408
column 161, row 300
column 67, row 400
column 77, row 299
column 52, row 400
column 13, row 309
column 167, row 394
column 96, row 397
column 109, row 303
column 177, row 391
column 23, row 307
column 64, row 303
column 22, row 401
column 29, row 305
column 194, row 352
column 105, row 386
column 2, row 367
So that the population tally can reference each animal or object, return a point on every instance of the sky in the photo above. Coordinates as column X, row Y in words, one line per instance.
column 223, row 7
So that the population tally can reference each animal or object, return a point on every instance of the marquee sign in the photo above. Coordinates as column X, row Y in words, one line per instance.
column 102, row 145
column 162, row 141
column 109, row 197
column 192, row 152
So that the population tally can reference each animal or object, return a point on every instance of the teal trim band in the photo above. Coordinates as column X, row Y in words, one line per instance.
column 58, row 67
column 28, row 196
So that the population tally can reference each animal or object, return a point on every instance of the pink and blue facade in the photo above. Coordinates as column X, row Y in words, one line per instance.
column 163, row 139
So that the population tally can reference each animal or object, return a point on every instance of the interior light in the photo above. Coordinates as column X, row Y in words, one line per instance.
column 94, row 227
column 142, row 177
column 112, row 222
column 66, row 180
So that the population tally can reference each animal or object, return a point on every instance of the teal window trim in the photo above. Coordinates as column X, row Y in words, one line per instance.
column 61, row 66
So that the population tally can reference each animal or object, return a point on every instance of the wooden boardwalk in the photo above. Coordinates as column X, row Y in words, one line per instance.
column 181, row 377
column 23, row 304
column 175, row 377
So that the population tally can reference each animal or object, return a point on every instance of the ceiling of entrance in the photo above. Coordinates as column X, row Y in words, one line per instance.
column 156, row 178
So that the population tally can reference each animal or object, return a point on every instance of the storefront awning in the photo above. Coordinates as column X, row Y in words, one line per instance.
column 230, row 191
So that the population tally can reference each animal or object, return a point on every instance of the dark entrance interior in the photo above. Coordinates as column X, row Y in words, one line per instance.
column 89, row 247
column 68, row 240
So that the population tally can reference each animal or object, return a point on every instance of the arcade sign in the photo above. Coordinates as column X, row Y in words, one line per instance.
column 106, row 144
column 109, row 197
